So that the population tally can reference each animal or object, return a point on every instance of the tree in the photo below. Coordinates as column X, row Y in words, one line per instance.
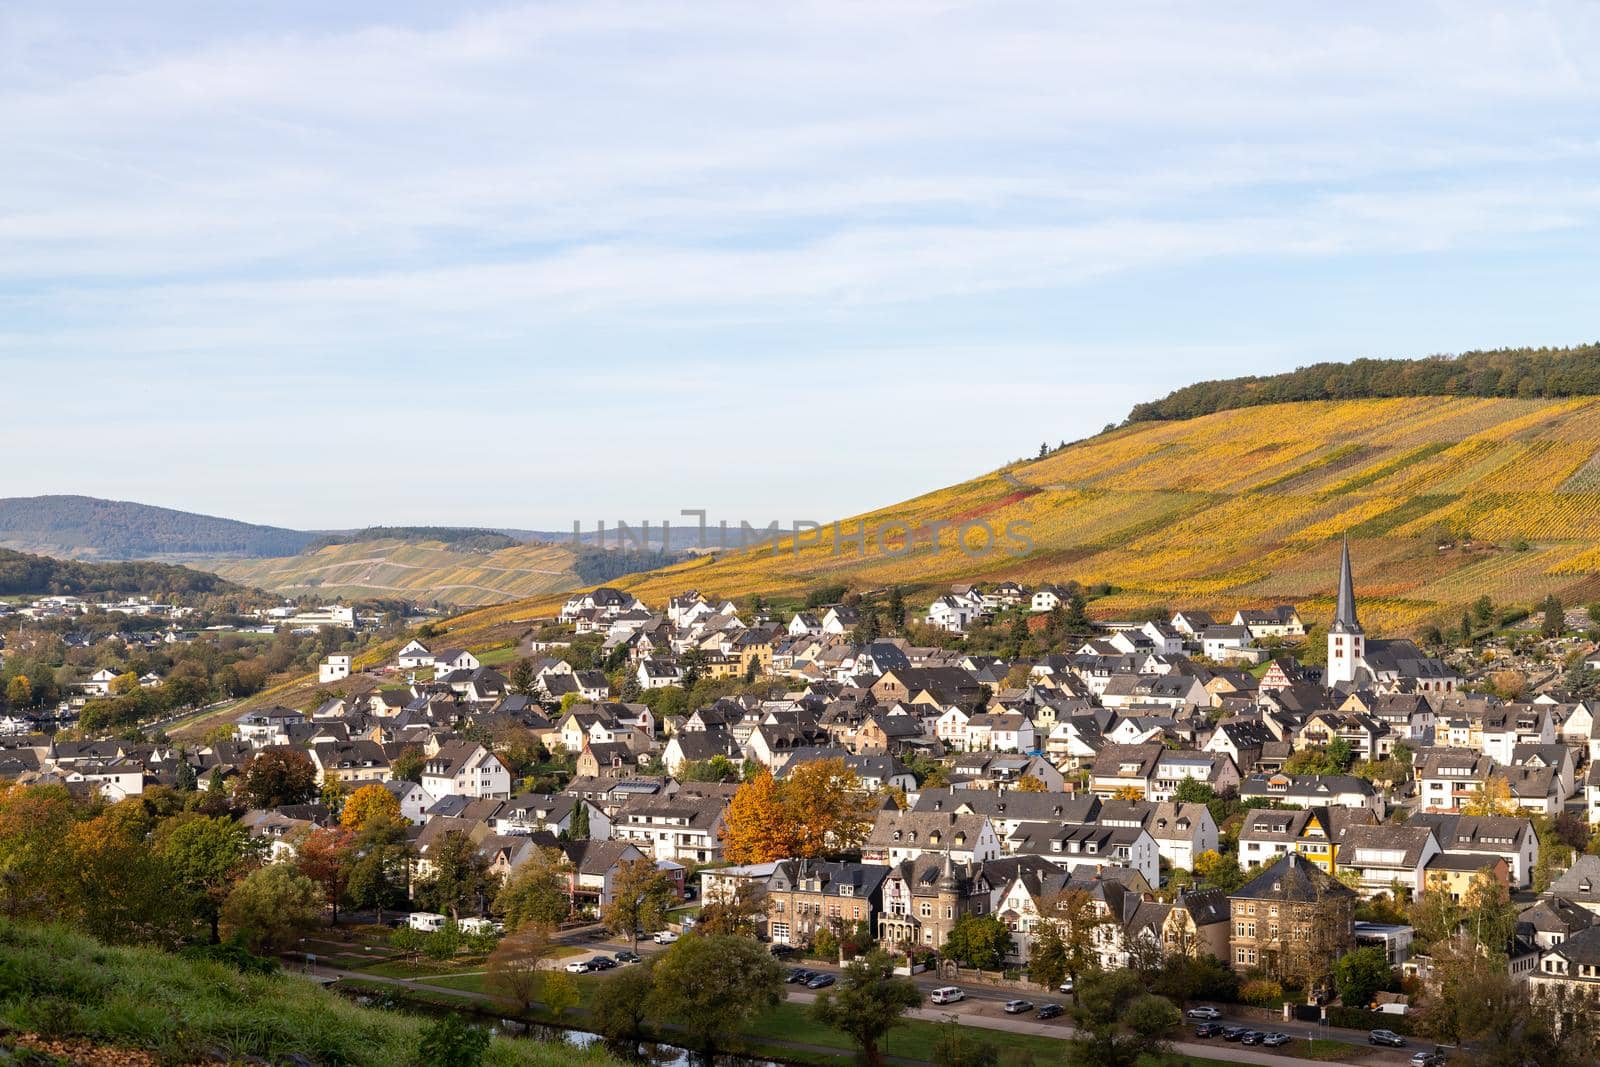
column 1047, row 960
column 512, row 970
column 827, row 807
column 558, row 992
column 1554, row 623
column 1219, row 870
column 1360, row 973
column 641, row 896
column 712, row 985
column 324, row 855
column 521, row 676
column 1483, row 610
column 380, row 871
column 869, row 1001
column 19, row 692
column 1193, row 791
column 979, row 941
column 207, row 856
column 579, row 830
column 452, row 1042
column 270, row 908
column 897, row 609
column 277, row 776
column 1030, row 783
column 407, row 766
column 366, row 803
column 736, row 915
column 1492, row 798
column 959, row 1046
column 1075, row 920
column 1119, row 1023
column 756, row 826
column 1488, row 915
column 621, row 1005
column 457, row 875
column 538, row 893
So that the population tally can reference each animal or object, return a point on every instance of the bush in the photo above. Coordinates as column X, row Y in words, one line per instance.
column 453, row 1042
column 824, row 946
column 1361, row 1019
column 1262, row 992
column 233, row 955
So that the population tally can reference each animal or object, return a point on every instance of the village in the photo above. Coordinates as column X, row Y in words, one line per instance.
column 1175, row 788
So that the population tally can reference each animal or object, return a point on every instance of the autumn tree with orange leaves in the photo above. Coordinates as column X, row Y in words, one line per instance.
column 820, row 808
column 366, row 802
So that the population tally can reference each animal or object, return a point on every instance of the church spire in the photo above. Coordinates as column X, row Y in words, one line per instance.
column 1344, row 617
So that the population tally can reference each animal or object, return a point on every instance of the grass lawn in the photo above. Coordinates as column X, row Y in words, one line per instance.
column 497, row 656
column 471, row 983
column 420, row 968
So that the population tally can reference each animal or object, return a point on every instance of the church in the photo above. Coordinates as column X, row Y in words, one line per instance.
column 1382, row 666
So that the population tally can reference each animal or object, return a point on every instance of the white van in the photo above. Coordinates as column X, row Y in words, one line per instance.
column 947, row 994
column 476, row 925
column 426, row 921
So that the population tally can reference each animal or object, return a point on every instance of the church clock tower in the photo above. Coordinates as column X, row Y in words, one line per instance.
column 1346, row 641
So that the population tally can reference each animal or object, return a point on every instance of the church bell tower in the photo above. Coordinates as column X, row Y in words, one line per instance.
column 1346, row 641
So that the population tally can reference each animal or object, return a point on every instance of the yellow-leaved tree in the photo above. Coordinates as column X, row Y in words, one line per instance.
column 820, row 808
column 367, row 803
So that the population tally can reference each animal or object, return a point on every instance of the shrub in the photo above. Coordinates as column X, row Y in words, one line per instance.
column 1361, row 1019
column 1262, row 992
column 452, row 1042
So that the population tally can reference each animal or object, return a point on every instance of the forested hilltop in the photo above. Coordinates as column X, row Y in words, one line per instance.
column 24, row 574
column 1526, row 373
column 120, row 529
column 459, row 538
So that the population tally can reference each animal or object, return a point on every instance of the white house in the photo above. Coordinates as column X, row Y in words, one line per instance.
column 333, row 669
column 466, row 768
column 414, row 656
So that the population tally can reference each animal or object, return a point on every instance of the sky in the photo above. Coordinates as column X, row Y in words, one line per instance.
column 331, row 265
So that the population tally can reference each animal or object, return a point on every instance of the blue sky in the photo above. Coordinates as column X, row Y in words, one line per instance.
column 524, row 263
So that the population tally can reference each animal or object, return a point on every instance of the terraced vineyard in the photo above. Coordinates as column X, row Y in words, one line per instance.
column 414, row 570
column 1244, row 507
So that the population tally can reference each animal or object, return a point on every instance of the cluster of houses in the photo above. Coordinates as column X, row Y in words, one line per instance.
column 61, row 606
column 1078, row 770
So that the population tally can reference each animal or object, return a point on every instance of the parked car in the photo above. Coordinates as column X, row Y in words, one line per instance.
column 820, row 981
column 1065, row 987
column 1234, row 1033
column 1204, row 1011
column 602, row 963
column 1017, row 1007
column 1252, row 1037
column 1429, row 1059
column 1048, row 1011
column 579, row 967
column 947, row 994
column 1386, row 1037
column 1274, row 1039
column 626, row 956
column 1208, row 1030
column 800, row 974
column 782, row 950
column 666, row 937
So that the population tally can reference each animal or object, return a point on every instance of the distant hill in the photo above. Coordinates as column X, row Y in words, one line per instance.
column 88, row 527
column 25, row 574
column 1526, row 373
column 1445, row 499
column 460, row 538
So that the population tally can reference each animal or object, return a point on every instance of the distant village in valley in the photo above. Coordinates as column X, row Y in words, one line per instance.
column 1268, row 794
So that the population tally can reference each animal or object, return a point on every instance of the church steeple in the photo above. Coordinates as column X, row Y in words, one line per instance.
column 1346, row 640
column 1344, row 617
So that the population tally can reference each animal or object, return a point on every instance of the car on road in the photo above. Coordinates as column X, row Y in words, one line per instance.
column 602, row 963
column 1208, row 1030
column 947, row 994
column 1386, row 1037
column 1234, row 1033
column 1048, row 1011
column 666, row 937
column 1065, row 987
column 800, row 974
column 579, row 967
column 1017, row 1007
column 1204, row 1011
column 1429, row 1059
column 820, row 981
column 781, row 951
column 1252, row 1037
column 1275, row 1039
column 626, row 956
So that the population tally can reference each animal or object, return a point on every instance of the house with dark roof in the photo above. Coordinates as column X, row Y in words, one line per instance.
column 1291, row 921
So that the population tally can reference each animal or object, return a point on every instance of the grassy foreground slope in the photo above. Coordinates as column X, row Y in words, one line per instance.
column 64, row 984
column 413, row 570
column 1244, row 507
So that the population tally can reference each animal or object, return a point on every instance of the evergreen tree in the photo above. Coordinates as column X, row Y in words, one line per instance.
column 897, row 609
column 1555, row 623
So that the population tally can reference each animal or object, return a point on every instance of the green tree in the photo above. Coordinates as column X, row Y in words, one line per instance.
column 512, row 970
column 1554, row 623
column 641, row 896
column 452, row 1042
column 272, row 907
column 558, row 991
column 1047, row 961
column 1193, row 791
column 207, row 856
column 521, row 676
column 1361, row 973
column 579, row 829
column 621, row 1005
column 538, row 892
column 1076, row 919
column 1483, row 610
column 712, row 985
column 380, row 870
column 897, row 609
column 456, row 878
column 277, row 776
column 980, row 941
column 407, row 766
column 869, row 1001
column 1119, row 1023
